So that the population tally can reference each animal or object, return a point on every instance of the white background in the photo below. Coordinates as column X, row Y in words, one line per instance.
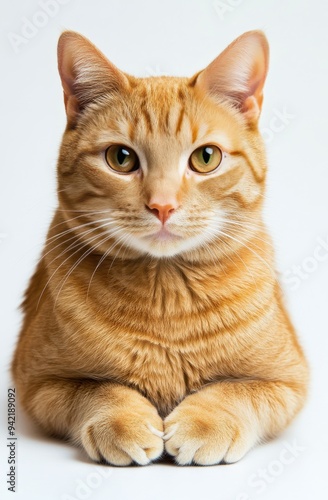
column 146, row 37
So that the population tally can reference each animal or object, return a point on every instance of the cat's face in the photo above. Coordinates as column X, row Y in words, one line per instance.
column 162, row 166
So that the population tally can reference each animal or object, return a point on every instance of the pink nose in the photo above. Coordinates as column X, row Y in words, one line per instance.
column 162, row 212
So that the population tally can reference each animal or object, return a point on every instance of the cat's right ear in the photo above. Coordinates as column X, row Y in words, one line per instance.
column 86, row 74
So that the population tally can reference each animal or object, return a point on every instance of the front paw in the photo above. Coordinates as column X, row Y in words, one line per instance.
column 124, row 435
column 207, row 434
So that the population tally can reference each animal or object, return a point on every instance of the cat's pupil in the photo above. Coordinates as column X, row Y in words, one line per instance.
column 122, row 155
column 207, row 153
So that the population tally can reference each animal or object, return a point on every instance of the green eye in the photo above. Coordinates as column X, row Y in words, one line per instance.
column 122, row 159
column 205, row 159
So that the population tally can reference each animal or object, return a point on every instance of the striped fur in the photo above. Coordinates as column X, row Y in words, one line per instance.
column 131, row 343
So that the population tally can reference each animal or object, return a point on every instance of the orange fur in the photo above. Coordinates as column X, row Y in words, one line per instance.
column 130, row 340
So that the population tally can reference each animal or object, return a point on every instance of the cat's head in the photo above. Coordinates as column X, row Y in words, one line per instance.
column 163, row 166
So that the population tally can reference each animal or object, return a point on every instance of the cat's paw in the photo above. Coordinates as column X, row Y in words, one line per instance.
column 121, row 436
column 206, row 436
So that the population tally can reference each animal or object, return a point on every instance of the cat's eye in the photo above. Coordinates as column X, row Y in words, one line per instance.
column 121, row 159
column 205, row 159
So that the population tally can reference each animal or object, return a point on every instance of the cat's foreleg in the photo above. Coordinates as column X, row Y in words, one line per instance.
column 110, row 421
column 224, row 420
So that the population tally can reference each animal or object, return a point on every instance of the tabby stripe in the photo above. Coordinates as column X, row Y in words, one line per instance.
column 180, row 120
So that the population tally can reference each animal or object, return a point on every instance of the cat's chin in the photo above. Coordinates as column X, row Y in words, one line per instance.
column 166, row 244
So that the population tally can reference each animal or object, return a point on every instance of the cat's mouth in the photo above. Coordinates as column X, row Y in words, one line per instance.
column 166, row 243
column 164, row 235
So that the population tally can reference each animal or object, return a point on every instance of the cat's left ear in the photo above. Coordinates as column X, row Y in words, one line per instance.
column 238, row 74
column 86, row 74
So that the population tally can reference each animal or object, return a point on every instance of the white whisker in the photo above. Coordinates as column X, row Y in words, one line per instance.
column 250, row 249
column 80, row 245
column 78, row 217
column 77, row 236
column 88, row 252
column 63, row 233
column 100, row 262
column 217, row 234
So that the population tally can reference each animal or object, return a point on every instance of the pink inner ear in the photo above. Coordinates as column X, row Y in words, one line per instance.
column 239, row 73
column 85, row 72
column 65, row 64
column 67, row 45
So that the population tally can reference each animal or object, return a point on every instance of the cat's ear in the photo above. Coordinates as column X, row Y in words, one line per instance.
column 85, row 72
column 239, row 73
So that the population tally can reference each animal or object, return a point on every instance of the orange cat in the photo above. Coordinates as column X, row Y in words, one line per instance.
column 154, row 319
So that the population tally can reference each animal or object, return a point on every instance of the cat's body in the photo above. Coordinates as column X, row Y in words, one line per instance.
column 158, row 306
